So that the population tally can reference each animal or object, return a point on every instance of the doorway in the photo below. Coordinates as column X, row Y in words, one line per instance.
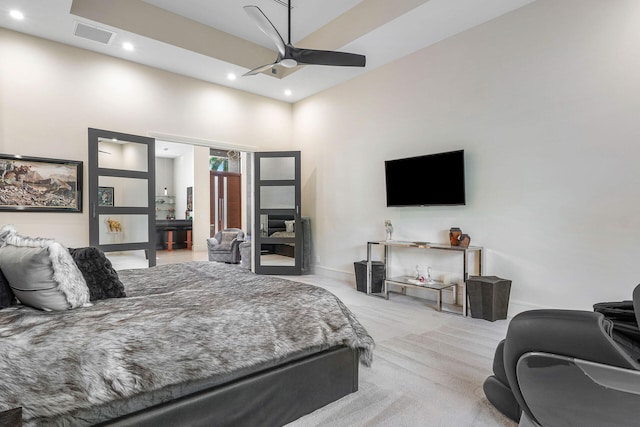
column 225, row 186
column 226, row 200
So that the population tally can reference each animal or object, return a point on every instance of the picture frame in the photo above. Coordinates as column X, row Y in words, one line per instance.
column 105, row 196
column 189, row 199
column 37, row 184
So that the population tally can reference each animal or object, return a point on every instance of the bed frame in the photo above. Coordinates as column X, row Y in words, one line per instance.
column 272, row 397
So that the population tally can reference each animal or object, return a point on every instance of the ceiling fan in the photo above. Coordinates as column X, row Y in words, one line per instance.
column 290, row 56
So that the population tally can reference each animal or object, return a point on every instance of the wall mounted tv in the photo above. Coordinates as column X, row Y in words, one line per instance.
column 431, row 180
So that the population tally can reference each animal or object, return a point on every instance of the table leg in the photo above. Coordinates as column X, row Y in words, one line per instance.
column 385, row 262
column 369, row 269
column 169, row 240
column 455, row 295
column 465, row 274
column 188, row 241
column 439, row 299
column 464, row 299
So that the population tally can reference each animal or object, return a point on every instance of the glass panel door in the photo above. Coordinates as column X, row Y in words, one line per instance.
column 278, row 241
column 121, row 193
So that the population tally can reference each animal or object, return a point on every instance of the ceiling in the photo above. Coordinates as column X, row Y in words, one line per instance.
column 209, row 40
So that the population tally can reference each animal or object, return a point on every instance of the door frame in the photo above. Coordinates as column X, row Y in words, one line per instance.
column 258, row 239
column 95, row 210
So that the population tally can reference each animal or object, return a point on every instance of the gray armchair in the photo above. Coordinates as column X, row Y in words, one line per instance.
column 224, row 246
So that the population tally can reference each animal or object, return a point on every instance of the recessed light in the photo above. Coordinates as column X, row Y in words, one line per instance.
column 287, row 92
column 16, row 14
column 127, row 46
column 231, row 76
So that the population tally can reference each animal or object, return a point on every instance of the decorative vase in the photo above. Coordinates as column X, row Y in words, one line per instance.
column 464, row 241
column 389, row 228
column 454, row 236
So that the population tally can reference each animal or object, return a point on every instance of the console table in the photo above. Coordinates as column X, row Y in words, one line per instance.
column 436, row 286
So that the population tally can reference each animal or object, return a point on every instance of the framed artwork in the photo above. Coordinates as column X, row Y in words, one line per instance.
column 105, row 196
column 40, row 185
column 189, row 199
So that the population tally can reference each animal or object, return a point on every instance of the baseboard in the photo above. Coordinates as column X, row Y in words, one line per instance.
column 334, row 273
column 517, row 306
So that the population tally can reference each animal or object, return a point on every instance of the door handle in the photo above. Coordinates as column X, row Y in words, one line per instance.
column 220, row 215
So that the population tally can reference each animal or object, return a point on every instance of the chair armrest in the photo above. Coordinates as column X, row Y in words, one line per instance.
column 212, row 242
column 573, row 333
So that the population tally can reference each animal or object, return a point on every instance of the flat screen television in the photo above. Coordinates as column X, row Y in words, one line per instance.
column 431, row 180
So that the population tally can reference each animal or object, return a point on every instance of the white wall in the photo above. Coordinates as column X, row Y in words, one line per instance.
column 50, row 94
column 165, row 176
column 545, row 103
column 183, row 177
column 201, row 198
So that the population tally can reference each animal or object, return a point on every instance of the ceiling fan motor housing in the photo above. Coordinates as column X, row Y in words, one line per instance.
column 290, row 56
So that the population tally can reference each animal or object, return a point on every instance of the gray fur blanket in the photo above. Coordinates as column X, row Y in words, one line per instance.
column 179, row 324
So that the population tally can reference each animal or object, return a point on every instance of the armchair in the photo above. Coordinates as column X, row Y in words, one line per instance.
column 568, row 368
column 224, row 246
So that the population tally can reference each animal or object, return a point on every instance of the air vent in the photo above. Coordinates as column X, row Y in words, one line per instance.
column 96, row 34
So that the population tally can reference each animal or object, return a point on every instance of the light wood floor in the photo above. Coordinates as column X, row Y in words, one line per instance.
column 136, row 259
column 428, row 366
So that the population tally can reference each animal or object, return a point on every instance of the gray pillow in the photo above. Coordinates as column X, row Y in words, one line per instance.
column 42, row 273
column 226, row 238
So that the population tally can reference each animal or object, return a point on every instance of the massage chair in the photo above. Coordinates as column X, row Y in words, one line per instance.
column 570, row 368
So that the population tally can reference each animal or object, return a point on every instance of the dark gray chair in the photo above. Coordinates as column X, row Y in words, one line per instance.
column 568, row 368
column 245, row 254
column 224, row 246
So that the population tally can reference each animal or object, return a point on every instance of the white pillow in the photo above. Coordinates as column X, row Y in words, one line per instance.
column 289, row 226
column 42, row 273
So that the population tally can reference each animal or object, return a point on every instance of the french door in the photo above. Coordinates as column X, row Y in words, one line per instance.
column 277, row 226
column 226, row 200
column 121, row 192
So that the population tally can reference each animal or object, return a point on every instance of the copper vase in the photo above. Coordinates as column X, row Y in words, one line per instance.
column 454, row 236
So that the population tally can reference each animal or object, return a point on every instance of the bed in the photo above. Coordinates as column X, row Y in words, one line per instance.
column 198, row 343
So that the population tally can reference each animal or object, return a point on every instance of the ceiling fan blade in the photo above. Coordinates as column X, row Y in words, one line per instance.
column 266, row 26
column 259, row 69
column 325, row 57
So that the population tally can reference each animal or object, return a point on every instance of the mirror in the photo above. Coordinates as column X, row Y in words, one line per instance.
column 277, row 254
column 277, row 226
